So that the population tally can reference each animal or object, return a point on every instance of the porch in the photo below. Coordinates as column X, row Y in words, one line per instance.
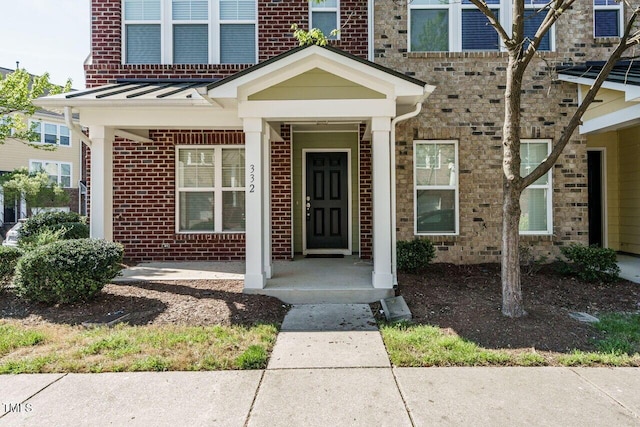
column 302, row 280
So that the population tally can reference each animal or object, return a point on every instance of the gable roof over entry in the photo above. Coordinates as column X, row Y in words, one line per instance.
column 271, row 87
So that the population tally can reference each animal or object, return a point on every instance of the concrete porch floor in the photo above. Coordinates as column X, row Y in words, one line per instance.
column 629, row 267
column 303, row 280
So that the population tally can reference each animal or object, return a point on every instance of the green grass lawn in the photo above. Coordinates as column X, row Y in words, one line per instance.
column 63, row 348
column 424, row 345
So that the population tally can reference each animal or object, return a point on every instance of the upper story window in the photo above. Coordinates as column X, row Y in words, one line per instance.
column 189, row 31
column 436, row 187
column 535, row 201
column 59, row 172
column 607, row 18
column 325, row 16
column 52, row 133
column 458, row 26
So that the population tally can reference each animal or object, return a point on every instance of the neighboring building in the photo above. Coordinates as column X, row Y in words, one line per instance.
column 63, row 164
column 392, row 132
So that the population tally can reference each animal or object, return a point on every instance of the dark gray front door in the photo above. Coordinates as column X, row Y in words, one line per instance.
column 327, row 204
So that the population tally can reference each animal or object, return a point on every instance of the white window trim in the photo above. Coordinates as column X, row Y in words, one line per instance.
column 417, row 187
column 42, row 132
column 548, row 186
column 43, row 162
column 455, row 22
column 313, row 7
column 619, row 6
column 166, row 23
column 216, row 189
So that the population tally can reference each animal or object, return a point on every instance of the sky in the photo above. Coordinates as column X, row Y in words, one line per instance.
column 46, row 36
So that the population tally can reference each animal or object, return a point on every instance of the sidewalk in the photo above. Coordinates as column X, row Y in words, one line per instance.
column 328, row 368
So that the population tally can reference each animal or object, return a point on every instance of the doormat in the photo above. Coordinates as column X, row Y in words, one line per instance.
column 324, row 256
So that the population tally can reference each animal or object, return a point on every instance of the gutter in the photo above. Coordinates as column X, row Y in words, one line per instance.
column 75, row 129
column 394, row 268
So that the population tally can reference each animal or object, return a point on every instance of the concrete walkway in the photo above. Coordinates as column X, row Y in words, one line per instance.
column 328, row 367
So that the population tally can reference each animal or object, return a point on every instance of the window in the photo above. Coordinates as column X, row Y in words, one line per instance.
column 436, row 187
column 210, row 189
column 458, row 26
column 607, row 18
column 51, row 133
column 59, row 172
column 324, row 16
column 535, row 200
column 189, row 31
column 440, row 26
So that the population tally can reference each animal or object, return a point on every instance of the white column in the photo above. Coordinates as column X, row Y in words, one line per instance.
column 101, row 185
column 380, row 141
column 255, row 276
column 266, row 176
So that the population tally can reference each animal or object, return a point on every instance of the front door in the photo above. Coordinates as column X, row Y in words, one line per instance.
column 594, row 179
column 327, row 202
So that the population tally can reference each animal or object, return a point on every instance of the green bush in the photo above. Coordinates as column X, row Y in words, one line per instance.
column 47, row 220
column 44, row 237
column 72, row 230
column 590, row 263
column 414, row 255
column 67, row 270
column 9, row 257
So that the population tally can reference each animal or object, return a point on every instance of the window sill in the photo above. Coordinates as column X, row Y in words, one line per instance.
column 606, row 40
column 471, row 54
column 226, row 236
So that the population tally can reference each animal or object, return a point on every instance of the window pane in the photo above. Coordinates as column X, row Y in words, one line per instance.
column 531, row 155
column 190, row 44
column 65, row 181
column 142, row 10
column 196, row 211
column 533, row 203
column 50, row 133
column 64, row 135
column 196, row 168
column 235, row 10
column 190, row 10
column 607, row 23
column 477, row 33
column 325, row 22
column 37, row 128
column 435, row 164
column 233, row 210
column 429, row 30
column 428, row 2
column 143, row 44
column 233, row 167
column 436, row 211
column 532, row 21
column 324, row 4
column 238, row 44
column 36, row 166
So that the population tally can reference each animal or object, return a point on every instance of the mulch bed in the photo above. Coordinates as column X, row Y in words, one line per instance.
column 467, row 299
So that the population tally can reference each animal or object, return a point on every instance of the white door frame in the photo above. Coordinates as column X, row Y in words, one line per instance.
column 338, row 251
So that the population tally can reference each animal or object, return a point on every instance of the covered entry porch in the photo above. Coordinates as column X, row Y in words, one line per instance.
column 256, row 110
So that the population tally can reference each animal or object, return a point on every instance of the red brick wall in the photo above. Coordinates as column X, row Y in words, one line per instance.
column 144, row 201
column 281, row 205
column 274, row 37
column 366, row 198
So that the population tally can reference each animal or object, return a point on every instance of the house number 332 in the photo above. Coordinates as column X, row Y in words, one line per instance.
column 252, row 178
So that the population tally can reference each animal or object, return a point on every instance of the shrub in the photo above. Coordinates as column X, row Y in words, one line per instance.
column 9, row 257
column 44, row 237
column 67, row 270
column 414, row 255
column 72, row 230
column 47, row 220
column 590, row 263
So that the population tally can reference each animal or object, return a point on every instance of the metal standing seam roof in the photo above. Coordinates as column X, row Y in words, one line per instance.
column 626, row 72
column 144, row 89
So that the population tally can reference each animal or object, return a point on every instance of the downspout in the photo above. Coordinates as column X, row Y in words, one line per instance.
column 75, row 129
column 394, row 122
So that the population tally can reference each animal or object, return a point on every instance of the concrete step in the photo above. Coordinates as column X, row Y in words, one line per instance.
column 324, row 295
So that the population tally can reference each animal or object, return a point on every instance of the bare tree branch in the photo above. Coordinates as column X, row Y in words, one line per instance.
column 626, row 41
column 495, row 22
column 556, row 9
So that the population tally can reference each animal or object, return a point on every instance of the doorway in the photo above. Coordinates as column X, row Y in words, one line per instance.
column 596, row 201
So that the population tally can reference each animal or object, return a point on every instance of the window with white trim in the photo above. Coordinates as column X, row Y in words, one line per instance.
column 535, row 201
column 325, row 16
column 607, row 18
column 436, row 187
column 189, row 31
column 210, row 189
column 458, row 26
column 51, row 133
column 59, row 172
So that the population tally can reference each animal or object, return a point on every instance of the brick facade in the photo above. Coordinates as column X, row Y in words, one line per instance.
column 468, row 106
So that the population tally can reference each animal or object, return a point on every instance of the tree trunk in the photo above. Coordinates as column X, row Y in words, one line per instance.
column 512, row 305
